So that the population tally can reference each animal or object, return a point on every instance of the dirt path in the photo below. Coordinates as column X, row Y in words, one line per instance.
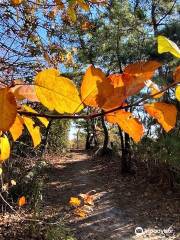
column 122, row 203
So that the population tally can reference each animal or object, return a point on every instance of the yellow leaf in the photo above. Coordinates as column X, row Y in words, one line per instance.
column 95, row 87
column 164, row 113
column 166, row 45
column 8, row 108
column 177, row 93
column 21, row 201
column 33, row 130
column 74, row 201
column 1, row 171
column 17, row 128
column 127, row 123
column 43, row 120
column 4, row 148
column 56, row 92
column 72, row 13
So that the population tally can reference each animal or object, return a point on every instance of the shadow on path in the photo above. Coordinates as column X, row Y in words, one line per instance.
column 122, row 204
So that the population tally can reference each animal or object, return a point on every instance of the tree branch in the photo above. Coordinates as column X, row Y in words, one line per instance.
column 94, row 115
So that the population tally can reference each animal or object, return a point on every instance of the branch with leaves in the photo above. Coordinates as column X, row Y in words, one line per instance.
column 106, row 94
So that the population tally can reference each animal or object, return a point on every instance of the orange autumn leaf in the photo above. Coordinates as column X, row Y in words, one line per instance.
column 86, row 25
column 135, row 74
column 176, row 74
column 127, row 123
column 83, row 4
column 80, row 212
column 8, row 108
column 142, row 67
column 16, row 2
column 88, row 199
column 95, row 87
column 22, row 92
column 164, row 113
column 118, row 92
column 21, row 201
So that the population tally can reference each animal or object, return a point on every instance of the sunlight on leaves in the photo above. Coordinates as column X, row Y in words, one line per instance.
column 95, row 87
column 164, row 113
column 166, row 45
column 154, row 89
column 136, row 74
column 33, row 130
column 4, row 148
column 177, row 93
column 127, row 123
column 16, row 129
column 56, row 92
column 22, row 92
column 43, row 120
column 8, row 108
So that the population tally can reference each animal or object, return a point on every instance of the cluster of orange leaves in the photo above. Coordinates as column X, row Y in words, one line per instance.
column 60, row 94
column 82, row 205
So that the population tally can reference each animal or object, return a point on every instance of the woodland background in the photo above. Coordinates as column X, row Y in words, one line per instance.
column 111, row 34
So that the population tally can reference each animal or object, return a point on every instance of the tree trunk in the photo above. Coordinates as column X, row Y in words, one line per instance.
column 94, row 135
column 106, row 135
column 87, row 146
column 44, row 142
column 126, row 153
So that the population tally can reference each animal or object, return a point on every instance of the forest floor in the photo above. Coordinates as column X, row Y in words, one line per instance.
column 122, row 204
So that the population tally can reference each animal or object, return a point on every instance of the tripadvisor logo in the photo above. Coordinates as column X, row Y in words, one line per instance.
column 140, row 230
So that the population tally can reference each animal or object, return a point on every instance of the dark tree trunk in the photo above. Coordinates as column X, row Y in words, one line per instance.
column 44, row 142
column 106, row 134
column 88, row 145
column 126, row 152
